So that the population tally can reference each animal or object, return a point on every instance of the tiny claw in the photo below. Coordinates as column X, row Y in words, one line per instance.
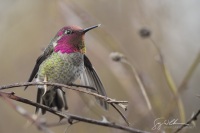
column 45, row 86
column 45, row 90
column 70, row 121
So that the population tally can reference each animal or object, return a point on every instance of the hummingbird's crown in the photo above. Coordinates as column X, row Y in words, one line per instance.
column 69, row 30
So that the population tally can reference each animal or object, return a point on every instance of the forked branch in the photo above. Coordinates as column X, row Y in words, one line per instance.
column 68, row 116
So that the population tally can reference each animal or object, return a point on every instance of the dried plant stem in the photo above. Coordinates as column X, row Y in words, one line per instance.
column 171, row 85
column 189, row 73
column 186, row 79
column 139, row 81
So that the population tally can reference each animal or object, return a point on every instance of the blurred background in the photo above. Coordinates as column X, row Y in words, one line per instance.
column 166, row 62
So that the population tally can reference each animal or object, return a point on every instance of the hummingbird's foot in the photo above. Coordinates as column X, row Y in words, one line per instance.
column 45, row 86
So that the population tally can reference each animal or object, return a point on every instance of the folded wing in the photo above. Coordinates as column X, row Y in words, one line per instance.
column 47, row 52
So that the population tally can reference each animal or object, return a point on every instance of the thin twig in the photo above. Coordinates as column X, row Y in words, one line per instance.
column 193, row 118
column 24, row 113
column 107, row 99
column 82, row 86
column 125, row 119
column 53, row 124
column 71, row 116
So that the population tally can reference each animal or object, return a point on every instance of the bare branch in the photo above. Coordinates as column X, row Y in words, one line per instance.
column 125, row 119
column 107, row 99
column 24, row 113
column 70, row 116
column 193, row 118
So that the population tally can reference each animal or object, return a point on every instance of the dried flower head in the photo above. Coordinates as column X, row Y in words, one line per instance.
column 144, row 33
column 116, row 56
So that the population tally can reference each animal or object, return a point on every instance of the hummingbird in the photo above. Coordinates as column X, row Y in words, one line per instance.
column 64, row 61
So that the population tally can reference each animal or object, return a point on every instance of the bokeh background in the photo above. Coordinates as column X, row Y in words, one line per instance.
column 27, row 26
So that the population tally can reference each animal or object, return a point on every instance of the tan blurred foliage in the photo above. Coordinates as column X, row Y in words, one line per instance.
column 26, row 27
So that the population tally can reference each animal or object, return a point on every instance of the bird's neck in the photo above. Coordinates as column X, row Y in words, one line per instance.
column 66, row 48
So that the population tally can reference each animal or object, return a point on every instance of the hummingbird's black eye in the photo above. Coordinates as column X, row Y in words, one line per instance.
column 68, row 32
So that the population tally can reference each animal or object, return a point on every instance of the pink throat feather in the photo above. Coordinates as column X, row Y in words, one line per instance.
column 65, row 48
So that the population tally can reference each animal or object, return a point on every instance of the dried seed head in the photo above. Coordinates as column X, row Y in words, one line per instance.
column 116, row 56
column 144, row 33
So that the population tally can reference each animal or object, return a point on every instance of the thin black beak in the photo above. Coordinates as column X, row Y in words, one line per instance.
column 90, row 28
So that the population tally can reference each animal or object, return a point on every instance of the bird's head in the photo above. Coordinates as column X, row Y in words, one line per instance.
column 70, row 39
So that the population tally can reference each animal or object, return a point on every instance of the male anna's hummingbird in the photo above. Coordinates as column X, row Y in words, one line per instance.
column 64, row 61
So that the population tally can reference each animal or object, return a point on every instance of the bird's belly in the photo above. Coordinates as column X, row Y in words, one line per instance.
column 61, row 68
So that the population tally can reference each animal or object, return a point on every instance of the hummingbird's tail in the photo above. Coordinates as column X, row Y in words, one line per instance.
column 54, row 97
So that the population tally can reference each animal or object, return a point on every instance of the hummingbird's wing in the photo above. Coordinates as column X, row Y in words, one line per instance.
column 90, row 78
column 39, row 61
